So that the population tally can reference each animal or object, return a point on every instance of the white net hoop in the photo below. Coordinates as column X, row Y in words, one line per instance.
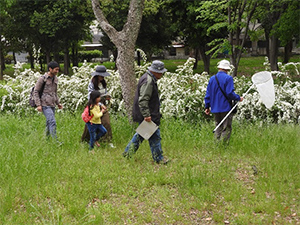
column 265, row 87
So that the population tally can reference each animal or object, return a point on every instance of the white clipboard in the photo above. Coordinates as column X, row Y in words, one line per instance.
column 146, row 129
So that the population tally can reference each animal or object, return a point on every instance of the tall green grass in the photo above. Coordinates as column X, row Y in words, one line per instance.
column 205, row 183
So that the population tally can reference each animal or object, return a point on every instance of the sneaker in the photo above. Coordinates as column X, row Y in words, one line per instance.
column 126, row 155
column 59, row 143
column 164, row 161
column 111, row 145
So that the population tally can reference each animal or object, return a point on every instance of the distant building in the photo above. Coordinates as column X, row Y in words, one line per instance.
column 177, row 51
column 95, row 44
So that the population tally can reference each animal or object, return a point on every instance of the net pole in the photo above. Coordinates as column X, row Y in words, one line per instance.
column 231, row 110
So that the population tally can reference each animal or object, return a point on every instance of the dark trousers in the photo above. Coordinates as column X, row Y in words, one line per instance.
column 224, row 130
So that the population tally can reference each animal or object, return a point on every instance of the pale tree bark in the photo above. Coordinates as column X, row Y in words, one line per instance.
column 125, row 41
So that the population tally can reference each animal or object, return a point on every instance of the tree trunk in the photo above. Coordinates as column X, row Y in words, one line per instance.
column 288, row 51
column 273, row 53
column 75, row 55
column 125, row 41
column 234, row 63
column 66, row 62
column 128, row 78
column 14, row 58
column 205, row 59
column 48, row 57
column 196, row 58
column 267, row 35
column 31, row 59
column 56, row 57
column 2, row 64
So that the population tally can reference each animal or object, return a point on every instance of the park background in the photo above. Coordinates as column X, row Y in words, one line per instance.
column 254, row 180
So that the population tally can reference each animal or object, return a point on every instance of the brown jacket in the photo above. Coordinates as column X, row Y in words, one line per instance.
column 49, row 96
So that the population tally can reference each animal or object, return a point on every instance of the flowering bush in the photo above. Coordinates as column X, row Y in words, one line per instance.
column 182, row 93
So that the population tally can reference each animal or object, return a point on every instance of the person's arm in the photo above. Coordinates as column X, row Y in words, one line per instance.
column 207, row 99
column 207, row 111
column 57, row 102
column 144, row 98
column 36, row 93
column 90, row 89
column 230, row 90
column 98, row 113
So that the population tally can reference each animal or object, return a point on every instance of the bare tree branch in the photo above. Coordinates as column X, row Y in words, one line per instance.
column 104, row 24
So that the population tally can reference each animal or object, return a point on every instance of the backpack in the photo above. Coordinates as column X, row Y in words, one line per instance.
column 31, row 97
column 85, row 115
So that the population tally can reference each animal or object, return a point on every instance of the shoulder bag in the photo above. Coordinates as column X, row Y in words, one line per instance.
column 232, row 102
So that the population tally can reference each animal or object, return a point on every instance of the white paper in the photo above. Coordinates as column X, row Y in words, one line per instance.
column 146, row 129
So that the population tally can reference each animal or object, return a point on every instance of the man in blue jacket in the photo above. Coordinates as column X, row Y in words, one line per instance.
column 219, row 104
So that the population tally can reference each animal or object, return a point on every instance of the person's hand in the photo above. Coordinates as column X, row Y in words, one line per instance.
column 148, row 119
column 207, row 111
column 103, row 107
column 241, row 99
column 60, row 106
column 39, row 108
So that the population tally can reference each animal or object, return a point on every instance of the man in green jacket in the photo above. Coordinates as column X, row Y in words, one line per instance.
column 147, row 107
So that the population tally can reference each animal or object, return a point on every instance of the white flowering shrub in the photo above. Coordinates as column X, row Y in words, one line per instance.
column 182, row 93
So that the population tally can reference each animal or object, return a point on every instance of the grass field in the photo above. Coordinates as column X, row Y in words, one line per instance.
column 248, row 65
column 205, row 183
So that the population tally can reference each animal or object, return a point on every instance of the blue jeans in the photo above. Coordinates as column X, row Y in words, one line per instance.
column 154, row 142
column 49, row 113
column 96, row 132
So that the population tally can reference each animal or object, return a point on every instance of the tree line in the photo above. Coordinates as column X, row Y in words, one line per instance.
column 207, row 27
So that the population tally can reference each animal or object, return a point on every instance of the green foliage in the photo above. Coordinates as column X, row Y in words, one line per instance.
column 89, row 55
column 205, row 182
column 47, row 27
column 8, row 59
column 287, row 27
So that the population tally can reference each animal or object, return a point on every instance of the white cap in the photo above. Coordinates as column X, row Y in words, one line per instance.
column 224, row 64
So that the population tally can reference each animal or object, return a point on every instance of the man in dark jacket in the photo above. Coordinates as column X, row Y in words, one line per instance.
column 147, row 107
column 48, row 100
column 220, row 90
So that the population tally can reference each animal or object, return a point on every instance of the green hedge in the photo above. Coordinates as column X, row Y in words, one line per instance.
column 89, row 55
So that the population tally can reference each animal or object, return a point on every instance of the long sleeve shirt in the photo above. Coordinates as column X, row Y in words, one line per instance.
column 49, row 96
column 96, row 111
column 214, row 98
column 91, row 88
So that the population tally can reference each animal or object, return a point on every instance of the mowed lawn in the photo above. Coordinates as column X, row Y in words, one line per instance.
column 254, row 180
